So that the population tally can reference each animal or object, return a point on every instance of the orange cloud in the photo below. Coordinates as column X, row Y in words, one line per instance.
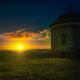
column 22, row 34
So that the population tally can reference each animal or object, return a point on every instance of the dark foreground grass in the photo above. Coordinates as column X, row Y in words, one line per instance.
column 31, row 65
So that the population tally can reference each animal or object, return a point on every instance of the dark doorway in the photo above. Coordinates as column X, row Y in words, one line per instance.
column 62, row 54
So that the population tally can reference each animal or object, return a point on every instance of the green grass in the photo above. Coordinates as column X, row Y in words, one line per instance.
column 33, row 65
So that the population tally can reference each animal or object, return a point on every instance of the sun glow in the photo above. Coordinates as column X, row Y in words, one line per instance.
column 20, row 48
column 20, row 45
column 17, row 46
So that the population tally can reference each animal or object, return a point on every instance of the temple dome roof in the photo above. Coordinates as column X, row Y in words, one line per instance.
column 67, row 17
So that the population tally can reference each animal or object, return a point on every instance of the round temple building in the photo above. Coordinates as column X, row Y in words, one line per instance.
column 65, row 35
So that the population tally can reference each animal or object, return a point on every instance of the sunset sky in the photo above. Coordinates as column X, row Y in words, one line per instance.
column 26, row 22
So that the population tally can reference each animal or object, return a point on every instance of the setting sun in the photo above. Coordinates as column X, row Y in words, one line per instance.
column 17, row 45
column 20, row 48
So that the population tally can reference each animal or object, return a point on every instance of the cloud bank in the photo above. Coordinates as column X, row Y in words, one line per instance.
column 22, row 33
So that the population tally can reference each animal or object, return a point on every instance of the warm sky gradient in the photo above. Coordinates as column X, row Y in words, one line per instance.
column 26, row 22
column 29, row 40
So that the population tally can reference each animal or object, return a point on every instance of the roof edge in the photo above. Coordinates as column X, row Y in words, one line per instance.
column 64, row 21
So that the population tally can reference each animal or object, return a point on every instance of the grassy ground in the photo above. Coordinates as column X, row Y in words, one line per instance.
column 32, row 65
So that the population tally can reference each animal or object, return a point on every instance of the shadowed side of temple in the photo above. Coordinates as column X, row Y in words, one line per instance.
column 65, row 35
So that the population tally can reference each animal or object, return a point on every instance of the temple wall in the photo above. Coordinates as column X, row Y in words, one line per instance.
column 72, row 39
column 78, row 37
column 56, row 39
column 52, row 40
column 77, row 40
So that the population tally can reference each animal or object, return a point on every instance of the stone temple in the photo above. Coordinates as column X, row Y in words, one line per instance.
column 65, row 35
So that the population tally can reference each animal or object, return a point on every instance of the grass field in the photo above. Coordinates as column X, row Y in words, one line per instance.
column 34, row 65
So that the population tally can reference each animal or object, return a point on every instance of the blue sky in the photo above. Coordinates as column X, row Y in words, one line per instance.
column 36, row 14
